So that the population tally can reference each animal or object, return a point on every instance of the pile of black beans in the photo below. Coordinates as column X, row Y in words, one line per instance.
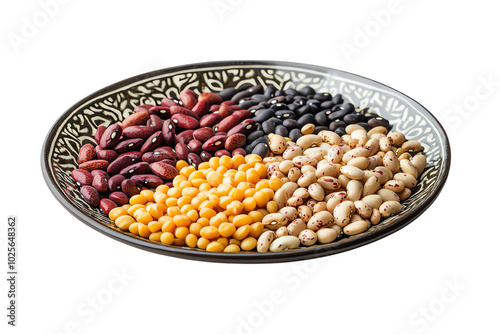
column 285, row 112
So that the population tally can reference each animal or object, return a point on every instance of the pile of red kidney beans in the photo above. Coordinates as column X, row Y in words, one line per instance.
column 142, row 151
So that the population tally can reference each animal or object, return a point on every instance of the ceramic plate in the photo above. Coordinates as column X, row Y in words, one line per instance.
column 113, row 103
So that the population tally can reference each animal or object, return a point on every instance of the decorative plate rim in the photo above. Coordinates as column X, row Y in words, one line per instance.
column 248, row 257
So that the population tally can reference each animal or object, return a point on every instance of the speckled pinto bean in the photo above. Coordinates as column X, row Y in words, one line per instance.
column 284, row 243
column 265, row 241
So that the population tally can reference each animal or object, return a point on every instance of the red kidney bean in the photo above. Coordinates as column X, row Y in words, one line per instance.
column 87, row 152
column 164, row 170
column 155, row 122
column 194, row 160
column 119, row 164
column 224, row 111
column 129, row 145
column 114, row 182
column 138, row 131
column 184, row 137
column 161, row 112
column 167, row 102
column 108, row 155
column 209, row 120
column 94, row 164
column 137, row 118
column 107, row 205
column 147, row 180
column 99, row 171
column 182, row 151
column 220, row 153
column 214, row 107
column 82, row 177
column 111, row 136
column 185, row 121
column 188, row 98
column 235, row 141
column 135, row 155
column 119, row 197
column 137, row 168
column 195, row 146
column 169, row 161
column 100, row 182
column 90, row 195
column 98, row 149
column 212, row 98
column 240, row 151
column 201, row 108
column 98, row 133
column 245, row 127
column 220, row 133
column 227, row 123
column 168, row 150
column 143, row 107
column 214, row 144
column 203, row 134
column 168, row 131
column 175, row 110
column 129, row 187
column 151, row 157
column 153, row 142
column 205, row 156
column 242, row 114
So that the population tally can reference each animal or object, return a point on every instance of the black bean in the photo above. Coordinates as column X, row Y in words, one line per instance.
column 269, row 92
column 249, row 148
column 321, row 118
column 228, row 93
column 320, row 128
column 353, row 118
column 259, row 98
column 305, row 119
column 247, row 93
column 337, row 124
column 337, row 99
column 323, row 97
column 307, row 90
column 339, row 114
column 254, row 135
column 285, row 114
column 276, row 99
column 364, row 125
column 300, row 100
column 314, row 102
column 327, row 105
column 378, row 121
column 247, row 104
column 290, row 124
column 253, row 109
column 265, row 105
column 269, row 127
column 307, row 109
column 294, row 134
column 328, row 111
column 261, row 149
column 293, row 106
column 279, row 106
column 291, row 91
column 258, row 127
column 281, row 130
column 263, row 115
column 289, row 99
column 340, row 131
column 348, row 106
column 275, row 120
column 280, row 92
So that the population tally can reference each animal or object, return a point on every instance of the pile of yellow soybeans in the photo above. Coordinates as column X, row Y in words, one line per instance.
column 218, row 207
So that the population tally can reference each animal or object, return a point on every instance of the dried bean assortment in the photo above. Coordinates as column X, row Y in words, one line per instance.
column 253, row 168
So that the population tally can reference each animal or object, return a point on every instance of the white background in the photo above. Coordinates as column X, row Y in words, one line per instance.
column 441, row 54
